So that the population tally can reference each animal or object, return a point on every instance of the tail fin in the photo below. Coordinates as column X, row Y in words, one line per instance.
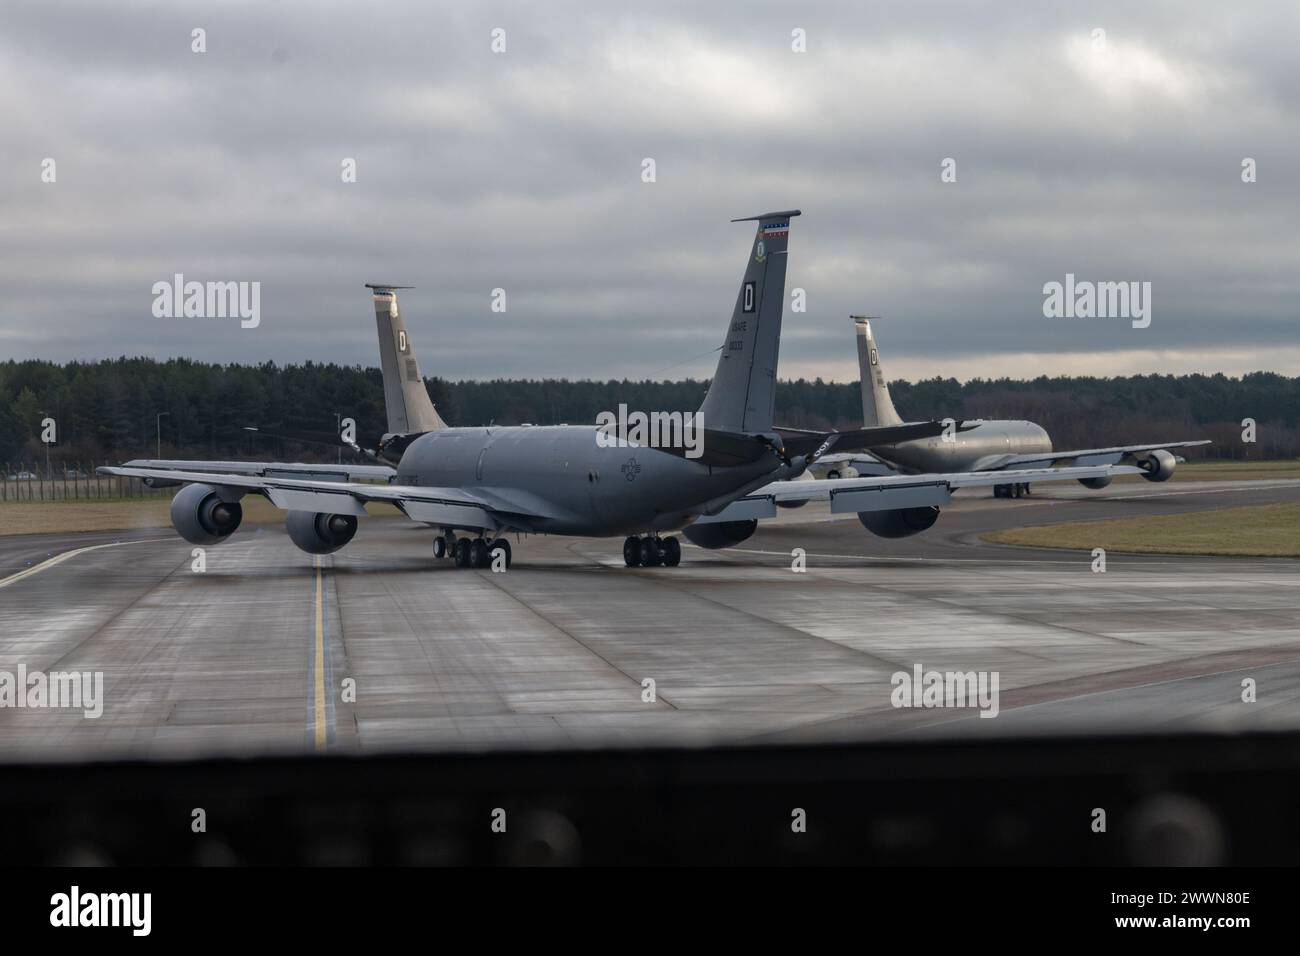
column 742, row 395
column 877, row 406
column 406, row 400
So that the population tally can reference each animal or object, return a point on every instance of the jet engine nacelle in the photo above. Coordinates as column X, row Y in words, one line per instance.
column 201, row 516
column 899, row 523
column 1096, row 484
column 790, row 504
column 320, row 533
column 720, row 534
column 1158, row 465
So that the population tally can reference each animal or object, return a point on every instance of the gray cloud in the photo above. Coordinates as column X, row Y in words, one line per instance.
column 522, row 171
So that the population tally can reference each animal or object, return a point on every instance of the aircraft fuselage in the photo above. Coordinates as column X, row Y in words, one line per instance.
column 967, row 450
column 582, row 487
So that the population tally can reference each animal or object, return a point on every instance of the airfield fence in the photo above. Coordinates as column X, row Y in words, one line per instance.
column 70, row 481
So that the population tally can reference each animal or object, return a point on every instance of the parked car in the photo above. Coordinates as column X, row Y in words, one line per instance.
column 24, row 476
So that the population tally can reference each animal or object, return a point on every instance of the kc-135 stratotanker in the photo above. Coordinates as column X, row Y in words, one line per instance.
column 994, row 445
column 473, row 485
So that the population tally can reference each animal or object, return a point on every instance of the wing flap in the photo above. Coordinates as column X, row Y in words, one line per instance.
column 888, row 499
column 292, row 499
column 746, row 509
column 451, row 515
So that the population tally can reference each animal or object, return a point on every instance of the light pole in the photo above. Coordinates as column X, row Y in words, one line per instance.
column 158, row 426
column 251, row 428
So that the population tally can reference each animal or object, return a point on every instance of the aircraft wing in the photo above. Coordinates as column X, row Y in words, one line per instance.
column 321, row 472
column 1086, row 456
column 486, row 508
column 890, row 492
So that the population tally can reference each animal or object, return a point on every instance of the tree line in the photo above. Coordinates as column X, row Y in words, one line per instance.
column 128, row 407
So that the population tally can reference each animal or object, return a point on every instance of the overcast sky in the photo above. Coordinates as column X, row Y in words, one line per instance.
column 523, row 170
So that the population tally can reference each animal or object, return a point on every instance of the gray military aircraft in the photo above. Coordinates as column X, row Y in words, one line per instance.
column 565, row 480
column 978, row 445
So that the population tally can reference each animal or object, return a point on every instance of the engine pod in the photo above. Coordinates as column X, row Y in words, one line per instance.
column 318, row 533
column 720, row 534
column 899, row 523
column 1158, row 465
column 202, row 515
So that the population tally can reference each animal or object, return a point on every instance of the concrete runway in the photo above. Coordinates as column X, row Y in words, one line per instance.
column 252, row 654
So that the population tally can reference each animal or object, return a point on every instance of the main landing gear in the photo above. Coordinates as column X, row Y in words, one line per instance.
column 650, row 552
column 471, row 552
column 1018, row 490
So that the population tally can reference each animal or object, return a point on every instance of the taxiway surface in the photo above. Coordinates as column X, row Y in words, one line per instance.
column 382, row 647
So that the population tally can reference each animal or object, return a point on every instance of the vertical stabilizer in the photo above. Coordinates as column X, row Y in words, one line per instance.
column 742, row 395
column 410, row 410
column 877, row 406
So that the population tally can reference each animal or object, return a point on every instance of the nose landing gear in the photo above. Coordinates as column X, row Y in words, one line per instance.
column 651, row 551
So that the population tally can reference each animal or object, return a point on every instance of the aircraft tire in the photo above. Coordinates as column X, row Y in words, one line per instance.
column 500, row 544
column 650, row 557
column 632, row 552
column 672, row 552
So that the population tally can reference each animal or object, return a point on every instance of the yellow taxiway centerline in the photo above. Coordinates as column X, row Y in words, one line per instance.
column 320, row 664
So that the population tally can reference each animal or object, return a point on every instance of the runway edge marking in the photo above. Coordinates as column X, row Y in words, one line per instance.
column 65, row 556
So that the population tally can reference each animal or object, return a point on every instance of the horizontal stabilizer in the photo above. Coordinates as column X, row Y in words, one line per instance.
column 725, row 449
column 858, row 439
